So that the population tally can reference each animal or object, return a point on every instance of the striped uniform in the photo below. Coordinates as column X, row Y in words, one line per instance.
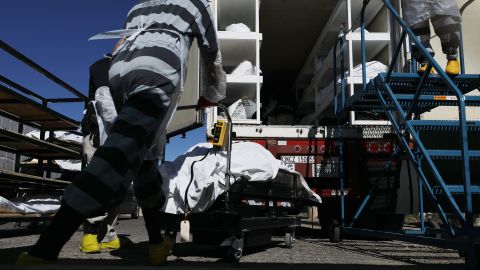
column 149, row 69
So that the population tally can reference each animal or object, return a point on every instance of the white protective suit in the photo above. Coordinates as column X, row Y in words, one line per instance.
column 416, row 11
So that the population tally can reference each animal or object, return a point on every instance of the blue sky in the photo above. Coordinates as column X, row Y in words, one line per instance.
column 54, row 34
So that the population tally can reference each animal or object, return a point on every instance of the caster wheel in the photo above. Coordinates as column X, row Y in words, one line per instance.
column 334, row 231
column 235, row 252
column 136, row 214
column 290, row 239
column 234, row 255
column 434, row 225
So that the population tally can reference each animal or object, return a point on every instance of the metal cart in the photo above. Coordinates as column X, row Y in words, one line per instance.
column 248, row 213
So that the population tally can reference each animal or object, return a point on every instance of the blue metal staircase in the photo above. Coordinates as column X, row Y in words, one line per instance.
column 444, row 153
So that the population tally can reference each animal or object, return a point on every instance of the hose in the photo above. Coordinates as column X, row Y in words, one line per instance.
column 187, row 207
column 464, row 6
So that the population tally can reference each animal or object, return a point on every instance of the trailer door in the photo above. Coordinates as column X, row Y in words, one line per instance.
column 186, row 118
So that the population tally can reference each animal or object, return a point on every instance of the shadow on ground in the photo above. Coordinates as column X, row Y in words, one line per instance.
column 134, row 257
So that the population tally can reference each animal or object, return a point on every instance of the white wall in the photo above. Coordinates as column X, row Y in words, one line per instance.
column 471, row 42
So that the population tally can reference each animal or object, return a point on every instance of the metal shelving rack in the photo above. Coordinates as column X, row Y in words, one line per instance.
column 237, row 47
column 30, row 109
column 315, row 81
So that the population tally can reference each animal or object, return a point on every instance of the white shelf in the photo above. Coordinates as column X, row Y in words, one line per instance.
column 321, row 79
column 237, row 11
column 371, row 123
column 235, row 51
column 239, row 35
column 314, row 81
column 373, row 48
column 246, row 121
column 237, row 47
column 244, row 79
column 236, row 91
column 373, row 36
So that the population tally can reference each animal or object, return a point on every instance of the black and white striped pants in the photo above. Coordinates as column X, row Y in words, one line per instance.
column 105, row 181
column 146, row 71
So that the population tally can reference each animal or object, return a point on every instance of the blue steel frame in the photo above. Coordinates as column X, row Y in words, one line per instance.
column 340, row 43
column 404, row 125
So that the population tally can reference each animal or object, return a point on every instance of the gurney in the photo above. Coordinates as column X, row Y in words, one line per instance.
column 252, row 212
column 262, row 197
column 261, row 194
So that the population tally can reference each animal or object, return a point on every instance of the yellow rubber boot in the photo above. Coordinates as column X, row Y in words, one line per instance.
column 157, row 254
column 112, row 245
column 423, row 68
column 89, row 244
column 453, row 67
column 25, row 259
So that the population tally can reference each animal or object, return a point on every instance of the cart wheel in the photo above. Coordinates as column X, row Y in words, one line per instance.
column 434, row 225
column 334, row 231
column 235, row 251
column 290, row 239
column 234, row 255
column 136, row 213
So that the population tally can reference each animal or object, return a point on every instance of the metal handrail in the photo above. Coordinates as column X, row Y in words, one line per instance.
column 468, row 219
column 448, row 81
column 417, row 42
column 228, row 149
column 363, row 47
column 339, row 44
column 20, row 88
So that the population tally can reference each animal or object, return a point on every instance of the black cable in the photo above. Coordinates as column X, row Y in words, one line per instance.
column 464, row 6
column 187, row 207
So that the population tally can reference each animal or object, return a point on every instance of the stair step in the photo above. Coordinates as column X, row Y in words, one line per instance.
column 452, row 154
column 370, row 102
column 443, row 125
column 434, row 94
column 441, row 100
column 455, row 189
column 407, row 83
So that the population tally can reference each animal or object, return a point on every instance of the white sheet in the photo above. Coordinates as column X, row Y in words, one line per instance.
column 238, row 27
column 243, row 108
column 62, row 135
column 245, row 68
column 373, row 69
column 32, row 206
column 73, row 165
column 249, row 160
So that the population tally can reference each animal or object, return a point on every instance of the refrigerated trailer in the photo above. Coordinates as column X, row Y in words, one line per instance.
column 315, row 92
column 284, row 99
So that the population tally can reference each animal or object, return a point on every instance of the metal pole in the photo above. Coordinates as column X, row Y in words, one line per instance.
column 335, row 86
column 364, row 53
column 395, row 56
column 418, row 92
column 229, row 156
column 461, row 50
column 342, row 70
column 10, row 50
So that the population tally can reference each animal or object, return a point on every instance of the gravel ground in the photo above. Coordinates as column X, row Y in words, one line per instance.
column 309, row 253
